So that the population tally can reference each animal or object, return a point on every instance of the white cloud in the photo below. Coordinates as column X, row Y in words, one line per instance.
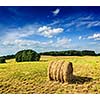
column 54, row 23
column 17, row 39
column 79, row 21
column 39, row 46
column 13, row 36
column 80, row 37
column 86, row 21
column 56, row 12
column 62, row 42
column 95, row 36
column 82, row 23
column 49, row 32
column 70, row 24
column 21, row 42
column 88, row 24
column 58, row 44
column 86, row 18
column 44, row 28
column 93, row 23
column 17, row 33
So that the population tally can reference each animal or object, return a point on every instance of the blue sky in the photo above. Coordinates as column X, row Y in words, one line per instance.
column 49, row 28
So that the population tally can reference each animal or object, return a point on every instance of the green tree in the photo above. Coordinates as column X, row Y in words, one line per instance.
column 2, row 60
column 27, row 55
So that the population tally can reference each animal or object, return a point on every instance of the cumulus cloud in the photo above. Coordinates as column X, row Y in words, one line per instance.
column 47, row 45
column 49, row 32
column 16, row 36
column 17, row 39
column 62, row 42
column 95, row 36
column 56, row 12
column 12, row 36
column 29, row 30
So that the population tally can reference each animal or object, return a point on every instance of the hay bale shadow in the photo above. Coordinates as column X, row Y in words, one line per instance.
column 80, row 80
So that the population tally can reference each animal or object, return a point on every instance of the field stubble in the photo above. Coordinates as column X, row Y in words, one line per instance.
column 31, row 77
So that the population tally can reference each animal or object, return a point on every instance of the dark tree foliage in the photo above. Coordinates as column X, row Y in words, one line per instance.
column 70, row 53
column 27, row 55
column 98, row 54
column 9, row 56
column 74, row 53
column 2, row 60
column 88, row 52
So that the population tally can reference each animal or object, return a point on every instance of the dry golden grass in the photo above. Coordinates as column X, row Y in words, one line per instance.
column 31, row 77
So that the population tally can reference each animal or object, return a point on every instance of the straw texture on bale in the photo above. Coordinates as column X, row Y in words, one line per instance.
column 49, row 70
column 60, row 71
column 55, row 70
column 61, row 74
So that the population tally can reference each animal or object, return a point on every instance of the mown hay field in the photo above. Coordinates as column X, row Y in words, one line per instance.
column 31, row 77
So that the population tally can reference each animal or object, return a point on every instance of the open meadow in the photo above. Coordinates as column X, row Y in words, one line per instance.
column 31, row 77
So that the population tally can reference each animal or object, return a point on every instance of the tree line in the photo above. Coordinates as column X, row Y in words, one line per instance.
column 71, row 53
column 22, row 56
column 31, row 55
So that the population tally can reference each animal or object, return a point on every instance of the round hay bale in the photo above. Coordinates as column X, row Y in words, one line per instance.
column 67, row 71
column 49, row 70
column 58, row 70
column 55, row 70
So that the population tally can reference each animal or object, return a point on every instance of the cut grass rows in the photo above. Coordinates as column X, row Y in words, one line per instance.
column 31, row 77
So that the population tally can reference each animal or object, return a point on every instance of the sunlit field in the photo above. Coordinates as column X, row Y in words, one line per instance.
column 31, row 77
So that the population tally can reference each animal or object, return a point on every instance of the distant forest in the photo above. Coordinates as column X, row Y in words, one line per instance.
column 71, row 53
column 62, row 53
